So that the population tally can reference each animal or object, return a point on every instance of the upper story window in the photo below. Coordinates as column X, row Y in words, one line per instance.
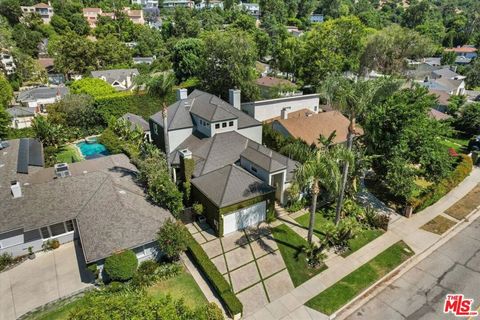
column 230, row 124
column 217, row 125
column 253, row 169
column 224, row 124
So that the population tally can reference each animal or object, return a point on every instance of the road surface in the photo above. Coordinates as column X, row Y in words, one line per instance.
column 420, row 293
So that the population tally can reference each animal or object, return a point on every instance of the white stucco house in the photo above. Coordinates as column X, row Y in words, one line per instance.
column 234, row 176
column 37, row 99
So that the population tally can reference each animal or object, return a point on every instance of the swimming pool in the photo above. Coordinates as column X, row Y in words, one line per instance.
column 92, row 149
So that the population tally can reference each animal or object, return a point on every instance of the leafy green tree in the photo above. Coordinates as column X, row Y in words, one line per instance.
column 433, row 29
column 149, row 42
column 73, row 54
column 157, row 84
column 448, row 58
column 75, row 110
column 187, row 57
column 473, row 75
column 469, row 120
column 121, row 266
column 29, row 71
column 6, row 92
column 92, row 86
column 455, row 103
column 172, row 239
column 27, row 40
column 290, row 56
column 5, row 122
column 183, row 24
column 387, row 49
column 110, row 52
column 331, row 47
column 51, row 135
column 11, row 10
column 273, row 9
column 229, row 63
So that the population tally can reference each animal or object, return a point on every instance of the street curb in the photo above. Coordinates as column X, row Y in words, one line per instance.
column 403, row 268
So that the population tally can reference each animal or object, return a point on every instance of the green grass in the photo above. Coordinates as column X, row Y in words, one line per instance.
column 68, row 154
column 290, row 245
column 364, row 237
column 336, row 296
column 460, row 145
column 183, row 287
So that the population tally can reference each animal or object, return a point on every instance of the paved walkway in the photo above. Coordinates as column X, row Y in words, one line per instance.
column 287, row 306
column 48, row 277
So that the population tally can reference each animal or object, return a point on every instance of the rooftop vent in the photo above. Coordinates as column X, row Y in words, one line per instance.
column 16, row 189
column 61, row 170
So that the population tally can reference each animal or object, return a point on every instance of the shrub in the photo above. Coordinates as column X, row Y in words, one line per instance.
column 168, row 270
column 5, row 260
column 172, row 239
column 375, row 219
column 198, row 208
column 437, row 191
column 147, row 267
column 111, row 141
column 121, row 266
column 93, row 269
column 50, row 245
column 221, row 286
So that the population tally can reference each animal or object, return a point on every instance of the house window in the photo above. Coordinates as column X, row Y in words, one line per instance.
column 217, row 125
column 155, row 128
column 57, row 229
column 224, row 124
column 69, row 225
column 254, row 169
column 230, row 124
column 45, row 233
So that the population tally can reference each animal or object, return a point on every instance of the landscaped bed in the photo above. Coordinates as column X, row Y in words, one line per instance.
column 464, row 206
column 290, row 245
column 68, row 154
column 364, row 237
column 182, row 286
column 336, row 296
column 438, row 225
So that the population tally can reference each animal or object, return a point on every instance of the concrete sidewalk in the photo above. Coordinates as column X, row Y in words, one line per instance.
column 401, row 229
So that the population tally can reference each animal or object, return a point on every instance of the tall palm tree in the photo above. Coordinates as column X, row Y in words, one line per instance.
column 321, row 171
column 354, row 98
column 157, row 84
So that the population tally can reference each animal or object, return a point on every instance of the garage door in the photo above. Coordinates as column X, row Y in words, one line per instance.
column 245, row 217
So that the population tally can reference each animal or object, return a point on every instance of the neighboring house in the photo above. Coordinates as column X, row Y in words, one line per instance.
column 92, row 15
column 466, row 51
column 178, row 3
column 38, row 98
column 316, row 18
column 209, row 4
column 138, row 122
column 146, row 60
column 438, row 115
column 294, row 31
column 433, row 61
column 53, row 78
column 22, row 117
column 45, row 11
column 6, row 62
column 308, row 126
column 120, row 79
column 97, row 202
column 146, row 3
column 251, row 8
column 266, row 110
column 444, row 79
column 442, row 99
column 235, row 178
column 272, row 87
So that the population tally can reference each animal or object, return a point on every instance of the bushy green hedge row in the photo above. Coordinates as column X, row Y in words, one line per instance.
column 121, row 266
column 437, row 191
column 233, row 305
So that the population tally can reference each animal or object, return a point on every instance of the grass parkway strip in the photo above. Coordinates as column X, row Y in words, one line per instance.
column 339, row 294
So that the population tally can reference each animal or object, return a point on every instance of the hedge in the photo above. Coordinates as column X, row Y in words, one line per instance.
column 233, row 305
column 437, row 191
column 121, row 266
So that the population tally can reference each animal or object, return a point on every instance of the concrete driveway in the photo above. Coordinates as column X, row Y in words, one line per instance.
column 48, row 277
column 250, row 261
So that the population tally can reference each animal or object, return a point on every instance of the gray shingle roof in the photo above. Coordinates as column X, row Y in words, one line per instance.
column 20, row 112
column 206, row 106
column 111, row 210
column 136, row 120
column 262, row 160
column 115, row 74
column 229, row 185
column 41, row 93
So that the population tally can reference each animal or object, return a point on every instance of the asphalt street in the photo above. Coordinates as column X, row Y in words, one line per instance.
column 420, row 292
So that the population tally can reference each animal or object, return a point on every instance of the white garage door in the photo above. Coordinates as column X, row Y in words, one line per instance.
column 244, row 217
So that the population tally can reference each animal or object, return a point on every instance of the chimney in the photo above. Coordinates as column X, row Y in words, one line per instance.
column 284, row 113
column 182, row 94
column 234, row 97
column 16, row 189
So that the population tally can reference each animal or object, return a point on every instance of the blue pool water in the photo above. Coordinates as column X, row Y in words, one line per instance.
column 93, row 149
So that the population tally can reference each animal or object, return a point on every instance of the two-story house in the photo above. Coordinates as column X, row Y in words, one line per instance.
column 120, row 79
column 234, row 176
column 45, row 11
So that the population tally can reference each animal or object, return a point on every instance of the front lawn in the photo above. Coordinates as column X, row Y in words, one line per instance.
column 290, row 245
column 364, row 237
column 438, row 225
column 57, row 311
column 183, row 287
column 336, row 296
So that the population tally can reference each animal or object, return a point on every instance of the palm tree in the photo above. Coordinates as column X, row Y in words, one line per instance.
column 157, row 84
column 353, row 98
column 321, row 171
